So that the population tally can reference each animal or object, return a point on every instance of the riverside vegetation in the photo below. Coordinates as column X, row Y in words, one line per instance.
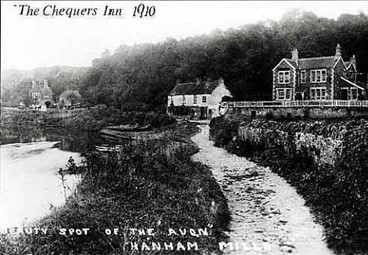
column 335, row 191
column 91, row 119
column 149, row 183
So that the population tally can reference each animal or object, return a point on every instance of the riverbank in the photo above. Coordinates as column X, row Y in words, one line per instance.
column 14, row 121
column 324, row 160
column 148, row 184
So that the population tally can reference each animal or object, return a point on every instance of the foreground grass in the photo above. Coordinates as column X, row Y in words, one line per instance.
column 149, row 184
column 337, row 195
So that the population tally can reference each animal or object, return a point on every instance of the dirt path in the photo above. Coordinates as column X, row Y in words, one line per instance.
column 268, row 216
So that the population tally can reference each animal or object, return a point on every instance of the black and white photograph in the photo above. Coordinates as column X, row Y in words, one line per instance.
column 184, row 127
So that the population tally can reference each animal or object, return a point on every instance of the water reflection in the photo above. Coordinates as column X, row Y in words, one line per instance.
column 30, row 183
column 30, row 160
column 73, row 141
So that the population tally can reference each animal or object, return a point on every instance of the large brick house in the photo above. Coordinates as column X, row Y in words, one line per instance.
column 317, row 78
column 200, row 99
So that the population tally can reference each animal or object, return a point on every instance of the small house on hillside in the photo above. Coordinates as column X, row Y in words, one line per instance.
column 316, row 78
column 69, row 98
column 200, row 99
column 41, row 97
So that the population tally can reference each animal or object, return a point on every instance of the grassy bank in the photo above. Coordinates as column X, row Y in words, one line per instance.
column 92, row 119
column 28, row 125
column 147, row 184
column 336, row 194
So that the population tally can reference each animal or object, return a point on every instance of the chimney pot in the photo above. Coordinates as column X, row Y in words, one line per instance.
column 221, row 81
column 353, row 60
column 338, row 51
column 295, row 55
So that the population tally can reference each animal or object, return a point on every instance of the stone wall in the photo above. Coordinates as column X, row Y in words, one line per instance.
column 301, row 112
column 326, row 160
column 328, row 143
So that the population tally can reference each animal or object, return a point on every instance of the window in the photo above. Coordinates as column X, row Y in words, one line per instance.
column 280, row 94
column 318, row 76
column 283, row 94
column 283, row 77
column 303, row 76
column 318, row 93
column 204, row 99
column 287, row 94
column 195, row 99
column 354, row 93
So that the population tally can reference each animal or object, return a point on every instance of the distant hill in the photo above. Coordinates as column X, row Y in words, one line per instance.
column 15, row 84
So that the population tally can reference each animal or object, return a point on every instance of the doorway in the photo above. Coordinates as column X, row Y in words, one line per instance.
column 344, row 94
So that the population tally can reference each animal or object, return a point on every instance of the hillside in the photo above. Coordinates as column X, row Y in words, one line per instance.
column 140, row 77
column 243, row 57
column 15, row 84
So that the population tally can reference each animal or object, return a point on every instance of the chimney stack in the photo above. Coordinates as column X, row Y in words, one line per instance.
column 353, row 61
column 338, row 51
column 221, row 81
column 295, row 55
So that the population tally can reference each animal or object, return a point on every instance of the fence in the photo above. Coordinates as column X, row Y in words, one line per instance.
column 304, row 103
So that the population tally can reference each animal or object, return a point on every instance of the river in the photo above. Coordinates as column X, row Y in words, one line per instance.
column 30, row 186
column 267, row 214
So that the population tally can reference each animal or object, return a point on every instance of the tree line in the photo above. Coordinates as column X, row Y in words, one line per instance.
column 143, row 75
column 140, row 77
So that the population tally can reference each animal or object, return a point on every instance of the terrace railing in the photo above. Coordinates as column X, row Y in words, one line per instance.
column 304, row 103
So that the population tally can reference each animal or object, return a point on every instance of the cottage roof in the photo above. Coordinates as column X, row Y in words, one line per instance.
column 194, row 88
column 68, row 93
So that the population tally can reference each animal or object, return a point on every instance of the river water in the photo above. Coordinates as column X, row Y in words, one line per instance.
column 268, row 216
column 30, row 186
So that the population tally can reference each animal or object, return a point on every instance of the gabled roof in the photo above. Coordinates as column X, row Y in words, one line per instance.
column 348, row 64
column 318, row 62
column 47, row 91
column 287, row 61
column 311, row 63
column 35, row 87
column 194, row 88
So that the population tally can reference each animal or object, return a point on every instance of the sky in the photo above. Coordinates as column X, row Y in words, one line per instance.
column 28, row 42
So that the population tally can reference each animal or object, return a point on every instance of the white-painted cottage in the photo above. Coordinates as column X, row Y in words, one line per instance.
column 200, row 99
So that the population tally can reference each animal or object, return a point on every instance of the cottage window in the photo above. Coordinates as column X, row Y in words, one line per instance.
column 195, row 99
column 204, row 99
column 303, row 76
column 318, row 93
column 318, row 76
column 283, row 94
column 283, row 77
